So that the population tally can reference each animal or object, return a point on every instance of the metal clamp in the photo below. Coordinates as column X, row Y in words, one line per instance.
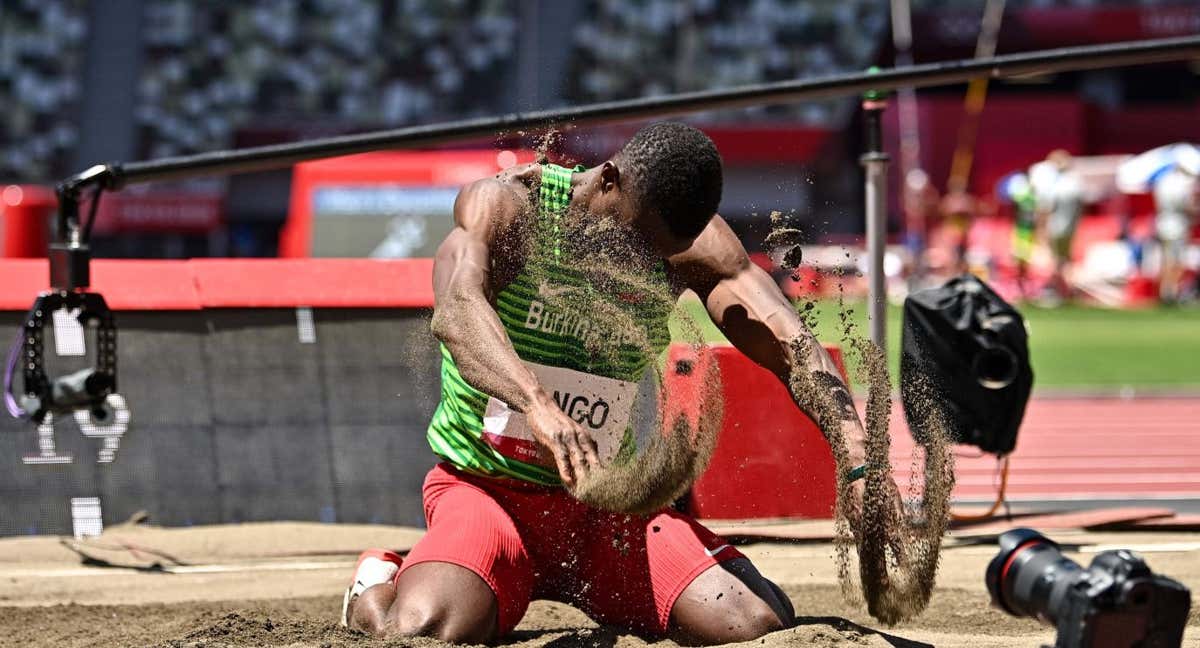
column 85, row 389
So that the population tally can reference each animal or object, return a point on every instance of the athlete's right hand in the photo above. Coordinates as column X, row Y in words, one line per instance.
column 573, row 449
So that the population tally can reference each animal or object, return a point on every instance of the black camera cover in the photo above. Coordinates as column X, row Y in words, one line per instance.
column 965, row 356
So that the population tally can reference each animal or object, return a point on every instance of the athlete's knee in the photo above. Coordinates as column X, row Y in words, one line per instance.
column 783, row 604
column 438, row 618
column 729, row 603
column 751, row 620
column 731, row 624
column 368, row 612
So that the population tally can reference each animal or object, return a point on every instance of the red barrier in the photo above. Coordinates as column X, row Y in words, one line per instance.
column 327, row 283
column 235, row 283
column 25, row 221
column 771, row 461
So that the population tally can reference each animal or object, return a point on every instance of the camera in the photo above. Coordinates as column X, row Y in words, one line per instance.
column 1116, row 602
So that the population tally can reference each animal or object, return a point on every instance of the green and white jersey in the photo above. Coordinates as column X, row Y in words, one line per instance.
column 480, row 434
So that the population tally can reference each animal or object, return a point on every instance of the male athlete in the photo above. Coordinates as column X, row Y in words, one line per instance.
column 502, row 529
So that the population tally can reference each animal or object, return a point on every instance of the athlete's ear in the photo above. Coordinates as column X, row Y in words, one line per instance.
column 610, row 176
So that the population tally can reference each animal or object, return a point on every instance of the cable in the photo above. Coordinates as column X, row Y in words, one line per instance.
column 92, row 209
column 1000, row 500
column 10, row 403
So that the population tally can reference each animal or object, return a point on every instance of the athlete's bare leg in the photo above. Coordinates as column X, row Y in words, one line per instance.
column 432, row 599
column 727, row 603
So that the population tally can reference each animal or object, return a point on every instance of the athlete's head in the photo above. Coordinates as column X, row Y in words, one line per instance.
column 667, row 177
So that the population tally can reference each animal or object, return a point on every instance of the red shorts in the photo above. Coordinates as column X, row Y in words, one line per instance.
column 528, row 541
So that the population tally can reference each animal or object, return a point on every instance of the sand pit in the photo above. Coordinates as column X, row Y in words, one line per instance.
column 227, row 597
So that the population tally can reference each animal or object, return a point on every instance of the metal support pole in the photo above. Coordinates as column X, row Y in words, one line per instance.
column 278, row 156
column 875, row 162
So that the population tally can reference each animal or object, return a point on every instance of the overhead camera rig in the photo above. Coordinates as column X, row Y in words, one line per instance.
column 70, row 280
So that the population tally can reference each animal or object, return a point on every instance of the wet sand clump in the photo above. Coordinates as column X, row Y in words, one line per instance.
column 788, row 239
column 662, row 471
column 896, row 544
column 900, row 545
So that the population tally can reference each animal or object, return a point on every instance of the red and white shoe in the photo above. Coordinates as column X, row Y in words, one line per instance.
column 374, row 567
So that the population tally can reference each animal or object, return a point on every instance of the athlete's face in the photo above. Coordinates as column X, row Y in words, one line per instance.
column 606, row 196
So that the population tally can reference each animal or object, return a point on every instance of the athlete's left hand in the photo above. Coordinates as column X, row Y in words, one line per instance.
column 573, row 449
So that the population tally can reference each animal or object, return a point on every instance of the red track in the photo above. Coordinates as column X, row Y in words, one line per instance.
column 1083, row 448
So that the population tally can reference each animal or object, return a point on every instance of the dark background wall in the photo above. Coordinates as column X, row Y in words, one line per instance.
column 233, row 418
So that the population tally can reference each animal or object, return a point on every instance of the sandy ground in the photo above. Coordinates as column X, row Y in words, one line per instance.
column 281, row 584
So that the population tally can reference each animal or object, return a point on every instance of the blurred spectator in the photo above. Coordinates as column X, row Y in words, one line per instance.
column 1175, row 202
column 923, row 5
column 1019, row 192
column 211, row 68
column 634, row 48
column 1059, row 195
column 920, row 200
column 920, row 204
column 41, row 48
column 958, row 213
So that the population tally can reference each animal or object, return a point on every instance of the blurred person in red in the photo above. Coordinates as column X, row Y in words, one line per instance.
column 1175, row 203
column 958, row 213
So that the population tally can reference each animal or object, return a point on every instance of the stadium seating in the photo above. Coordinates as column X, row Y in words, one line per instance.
column 631, row 48
column 212, row 67
column 41, row 52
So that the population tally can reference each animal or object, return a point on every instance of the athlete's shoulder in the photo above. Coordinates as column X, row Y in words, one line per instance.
column 520, row 176
column 715, row 254
column 497, row 200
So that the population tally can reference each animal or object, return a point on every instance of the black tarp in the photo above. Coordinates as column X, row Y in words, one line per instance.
column 965, row 352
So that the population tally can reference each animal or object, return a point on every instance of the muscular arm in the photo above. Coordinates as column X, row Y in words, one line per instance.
column 464, row 287
column 477, row 259
column 748, row 307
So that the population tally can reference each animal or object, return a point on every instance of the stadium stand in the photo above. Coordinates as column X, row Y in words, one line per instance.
column 632, row 48
column 209, row 68
column 1044, row 4
column 41, row 51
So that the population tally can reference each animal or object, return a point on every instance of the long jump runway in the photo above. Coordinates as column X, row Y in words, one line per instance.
column 1084, row 449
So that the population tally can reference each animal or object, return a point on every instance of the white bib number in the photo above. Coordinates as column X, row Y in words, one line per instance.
column 602, row 406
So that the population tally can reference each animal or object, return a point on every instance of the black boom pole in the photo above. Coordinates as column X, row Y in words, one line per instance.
column 114, row 176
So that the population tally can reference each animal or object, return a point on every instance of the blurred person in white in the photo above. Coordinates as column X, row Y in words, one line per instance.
column 1175, row 202
column 1059, row 194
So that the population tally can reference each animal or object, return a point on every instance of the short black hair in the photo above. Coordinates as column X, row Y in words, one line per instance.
column 675, row 170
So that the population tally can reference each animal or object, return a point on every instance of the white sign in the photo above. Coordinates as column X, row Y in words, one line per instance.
column 109, row 431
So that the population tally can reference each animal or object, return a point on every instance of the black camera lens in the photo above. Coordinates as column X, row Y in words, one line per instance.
column 995, row 367
column 1030, row 576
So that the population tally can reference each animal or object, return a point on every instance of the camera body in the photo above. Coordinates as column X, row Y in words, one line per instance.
column 1116, row 602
